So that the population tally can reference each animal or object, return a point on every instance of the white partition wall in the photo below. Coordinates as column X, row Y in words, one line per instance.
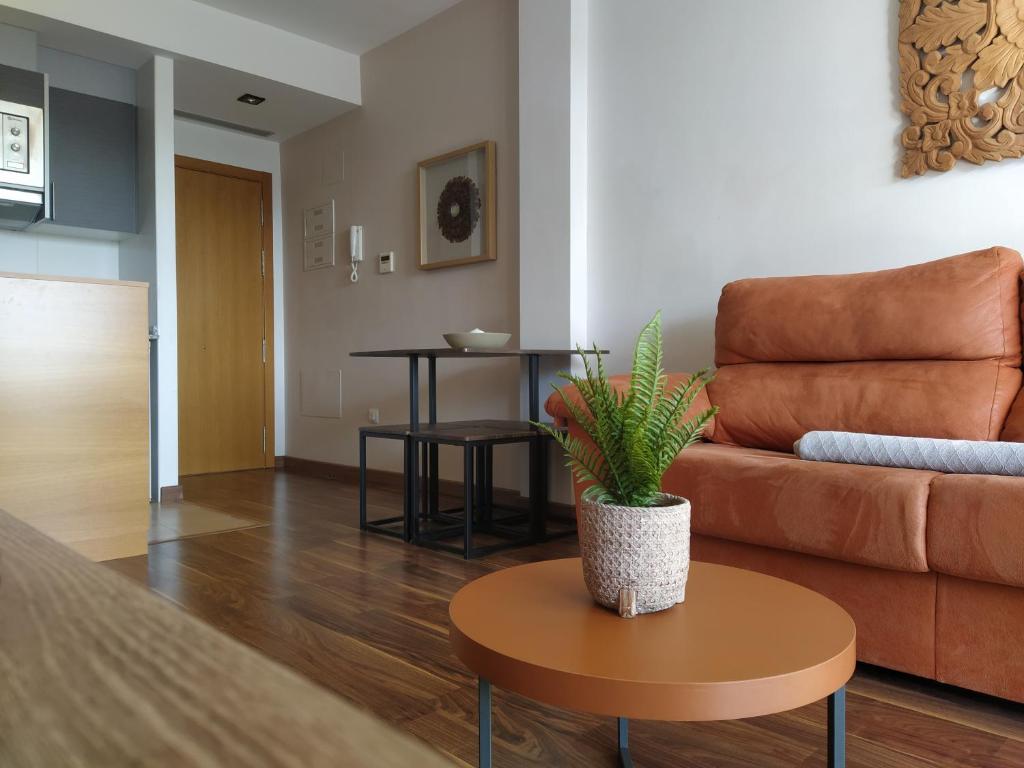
column 150, row 256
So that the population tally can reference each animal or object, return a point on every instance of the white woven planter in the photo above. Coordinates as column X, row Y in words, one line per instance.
column 636, row 559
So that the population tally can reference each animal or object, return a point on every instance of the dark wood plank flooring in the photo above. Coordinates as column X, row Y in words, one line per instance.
column 366, row 617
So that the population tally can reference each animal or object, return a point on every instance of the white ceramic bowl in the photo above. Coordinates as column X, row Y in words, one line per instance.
column 483, row 340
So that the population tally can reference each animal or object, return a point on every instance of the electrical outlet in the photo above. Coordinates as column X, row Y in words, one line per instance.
column 375, row 415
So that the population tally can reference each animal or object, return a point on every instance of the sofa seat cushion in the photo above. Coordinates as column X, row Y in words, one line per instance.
column 866, row 515
column 976, row 528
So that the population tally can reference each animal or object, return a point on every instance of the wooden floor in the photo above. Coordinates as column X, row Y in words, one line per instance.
column 367, row 617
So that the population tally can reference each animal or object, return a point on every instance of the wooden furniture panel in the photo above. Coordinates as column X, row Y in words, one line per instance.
column 99, row 672
column 74, row 411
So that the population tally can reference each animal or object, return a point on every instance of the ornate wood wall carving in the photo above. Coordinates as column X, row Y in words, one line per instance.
column 961, row 82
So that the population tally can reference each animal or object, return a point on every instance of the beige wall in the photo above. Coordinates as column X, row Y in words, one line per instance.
column 447, row 83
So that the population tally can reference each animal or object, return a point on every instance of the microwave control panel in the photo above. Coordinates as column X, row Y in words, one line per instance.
column 14, row 136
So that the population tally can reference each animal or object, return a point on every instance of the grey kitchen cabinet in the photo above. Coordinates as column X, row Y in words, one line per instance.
column 93, row 166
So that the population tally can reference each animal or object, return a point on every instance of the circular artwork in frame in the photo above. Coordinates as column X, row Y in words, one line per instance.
column 457, row 207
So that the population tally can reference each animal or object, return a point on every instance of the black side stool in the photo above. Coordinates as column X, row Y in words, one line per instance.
column 400, row 527
column 479, row 513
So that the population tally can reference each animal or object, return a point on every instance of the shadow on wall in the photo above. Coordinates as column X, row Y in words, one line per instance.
column 689, row 343
column 894, row 79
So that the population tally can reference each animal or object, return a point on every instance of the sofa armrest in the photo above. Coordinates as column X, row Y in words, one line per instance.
column 557, row 410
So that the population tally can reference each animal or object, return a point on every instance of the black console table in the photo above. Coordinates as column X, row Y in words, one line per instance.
column 477, row 439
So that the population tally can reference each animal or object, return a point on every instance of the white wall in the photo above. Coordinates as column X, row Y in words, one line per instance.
column 445, row 84
column 207, row 142
column 545, row 190
column 18, row 47
column 43, row 254
column 734, row 139
column 150, row 256
column 84, row 75
column 553, row 191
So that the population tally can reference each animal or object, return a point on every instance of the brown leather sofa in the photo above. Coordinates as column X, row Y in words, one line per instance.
column 930, row 566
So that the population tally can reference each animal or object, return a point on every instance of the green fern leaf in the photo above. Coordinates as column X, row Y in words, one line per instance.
column 634, row 435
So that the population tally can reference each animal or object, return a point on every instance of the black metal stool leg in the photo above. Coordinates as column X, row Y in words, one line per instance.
column 484, row 721
column 541, row 525
column 424, row 496
column 467, row 500
column 489, row 484
column 412, row 480
column 481, row 482
column 435, row 504
column 362, row 481
column 837, row 729
column 625, row 759
column 536, row 489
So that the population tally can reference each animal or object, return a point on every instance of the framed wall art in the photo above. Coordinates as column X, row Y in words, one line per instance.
column 961, row 82
column 456, row 194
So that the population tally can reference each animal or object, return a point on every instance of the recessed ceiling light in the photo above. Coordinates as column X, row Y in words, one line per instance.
column 248, row 98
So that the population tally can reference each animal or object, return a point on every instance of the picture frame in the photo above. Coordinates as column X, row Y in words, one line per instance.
column 457, row 208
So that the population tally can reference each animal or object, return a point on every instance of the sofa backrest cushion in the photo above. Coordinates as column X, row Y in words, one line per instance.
column 959, row 308
column 932, row 350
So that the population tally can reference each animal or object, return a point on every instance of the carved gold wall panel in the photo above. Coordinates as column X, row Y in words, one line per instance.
column 961, row 82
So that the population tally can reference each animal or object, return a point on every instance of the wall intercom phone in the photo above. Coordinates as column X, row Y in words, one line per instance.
column 355, row 240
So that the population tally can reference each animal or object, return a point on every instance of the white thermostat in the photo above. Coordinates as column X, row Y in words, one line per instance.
column 386, row 262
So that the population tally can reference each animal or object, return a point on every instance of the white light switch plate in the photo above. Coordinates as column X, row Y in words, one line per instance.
column 318, row 220
column 318, row 253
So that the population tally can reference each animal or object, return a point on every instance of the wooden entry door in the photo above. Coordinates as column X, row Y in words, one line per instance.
column 225, row 315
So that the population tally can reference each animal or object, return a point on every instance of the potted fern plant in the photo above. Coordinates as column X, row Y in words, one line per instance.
column 635, row 540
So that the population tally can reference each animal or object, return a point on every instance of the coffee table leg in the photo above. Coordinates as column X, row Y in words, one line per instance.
column 837, row 729
column 625, row 759
column 484, row 714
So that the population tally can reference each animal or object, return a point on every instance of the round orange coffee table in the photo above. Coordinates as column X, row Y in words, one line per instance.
column 742, row 645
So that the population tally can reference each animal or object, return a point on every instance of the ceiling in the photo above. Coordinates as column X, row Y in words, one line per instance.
column 355, row 26
column 200, row 88
column 210, row 91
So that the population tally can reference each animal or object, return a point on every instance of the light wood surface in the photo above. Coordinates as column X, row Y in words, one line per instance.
column 225, row 315
column 69, row 279
column 99, row 672
column 74, row 411
column 742, row 645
